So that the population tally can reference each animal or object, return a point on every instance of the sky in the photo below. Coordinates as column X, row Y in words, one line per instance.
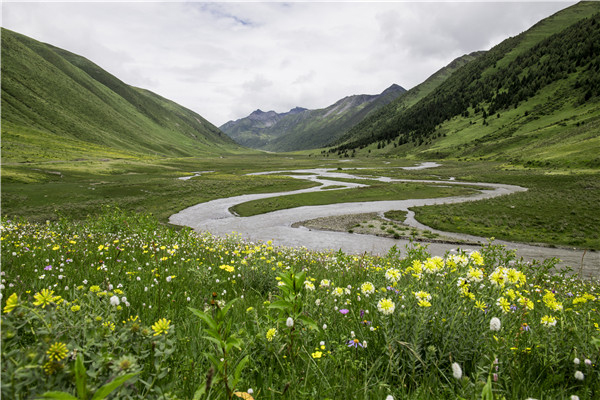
column 224, row 60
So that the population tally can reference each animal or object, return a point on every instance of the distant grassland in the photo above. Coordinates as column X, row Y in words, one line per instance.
column 561, row 207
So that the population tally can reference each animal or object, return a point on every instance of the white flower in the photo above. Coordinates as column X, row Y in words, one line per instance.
column 389, row 397
column 574, row 397
column 588, row 362
column 324, row 326
column 576, row 361
column 322, row 343
column 456, row 371
column 290, row 322
column 318, row 302
column 115, row 301
column 169, row 278
column 495, row 324
column 579, row 375
column 250, row 391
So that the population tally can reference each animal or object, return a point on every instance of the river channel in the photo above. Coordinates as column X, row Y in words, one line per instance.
column 214, row 216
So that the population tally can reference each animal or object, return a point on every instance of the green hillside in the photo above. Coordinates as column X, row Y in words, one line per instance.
column 532, row 99
column 384, row 116
column 302, row 129
column 58, row 105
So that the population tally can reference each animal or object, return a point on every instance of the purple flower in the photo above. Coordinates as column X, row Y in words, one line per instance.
column 362, row 313
column 354, row 343
column 344, row 311
column 48, row 267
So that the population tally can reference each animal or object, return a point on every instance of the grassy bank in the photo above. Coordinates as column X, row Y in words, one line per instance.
column 123, row 296
column 375, row 192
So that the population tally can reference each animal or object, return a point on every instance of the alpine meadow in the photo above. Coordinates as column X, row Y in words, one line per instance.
column 434, row 242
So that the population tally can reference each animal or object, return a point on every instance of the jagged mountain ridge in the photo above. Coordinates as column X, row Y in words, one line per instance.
column 300, row 128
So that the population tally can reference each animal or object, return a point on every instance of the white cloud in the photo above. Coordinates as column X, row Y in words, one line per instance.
column 224, row 60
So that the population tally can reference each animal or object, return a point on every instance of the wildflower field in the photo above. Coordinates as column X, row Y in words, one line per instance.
column 120, row 306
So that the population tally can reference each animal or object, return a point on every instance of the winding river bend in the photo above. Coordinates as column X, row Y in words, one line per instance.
column 214, row 216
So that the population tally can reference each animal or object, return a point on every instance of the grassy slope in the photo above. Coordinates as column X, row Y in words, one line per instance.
column 384, row 116
column 49, row 91
column 554, row 125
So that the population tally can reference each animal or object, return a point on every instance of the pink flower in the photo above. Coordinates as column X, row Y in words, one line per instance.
column 344, row 311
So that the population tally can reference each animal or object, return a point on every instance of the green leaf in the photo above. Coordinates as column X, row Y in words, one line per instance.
column 216, row 341
column 58, row 396
column 109, row 387
column 308, row 322
column 282, row 305
column 80, row 378
column 238, row 369
column 228, row 306
column 204, row 317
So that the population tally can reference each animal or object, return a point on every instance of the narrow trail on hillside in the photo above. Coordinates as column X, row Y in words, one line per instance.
column 215, row 217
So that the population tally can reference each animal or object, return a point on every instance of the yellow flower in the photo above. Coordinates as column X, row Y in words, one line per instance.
column 386, row 306
column 477, row 258
column 548, row 320
column 57, row 351
column 317, row 354
column 161, row 326
column 271, row 333
column 424, row 303
column 11, row 303
column 94, row 288
column 227, row 268
column 480, row 305
column 504, row 304
column 101, row 247
column 45, row 297
column 75, row 308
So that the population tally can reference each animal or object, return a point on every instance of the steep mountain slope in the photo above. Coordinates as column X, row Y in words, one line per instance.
column 533, row 98
column 301, row 129
column 382, row 116
column 51, row 96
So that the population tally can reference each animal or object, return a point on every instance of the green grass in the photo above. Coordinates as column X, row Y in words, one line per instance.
column 77, row 189
column 561, row 206
column 376, row 192
column 407, row 351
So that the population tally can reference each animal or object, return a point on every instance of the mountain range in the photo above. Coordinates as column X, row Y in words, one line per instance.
column 533, row 99
column 300, row 128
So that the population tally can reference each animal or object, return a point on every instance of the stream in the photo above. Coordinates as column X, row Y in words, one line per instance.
column 214, row 216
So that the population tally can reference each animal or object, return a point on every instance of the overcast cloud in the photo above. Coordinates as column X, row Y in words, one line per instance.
column 225, row 60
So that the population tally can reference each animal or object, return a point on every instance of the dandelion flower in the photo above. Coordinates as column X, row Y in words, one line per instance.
column 579, row 375
column 271, row 334
column 57, row 351
column 386, row 306
column 290, row 322
column 161, row 326
column 456, row 371
column 495, row 324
